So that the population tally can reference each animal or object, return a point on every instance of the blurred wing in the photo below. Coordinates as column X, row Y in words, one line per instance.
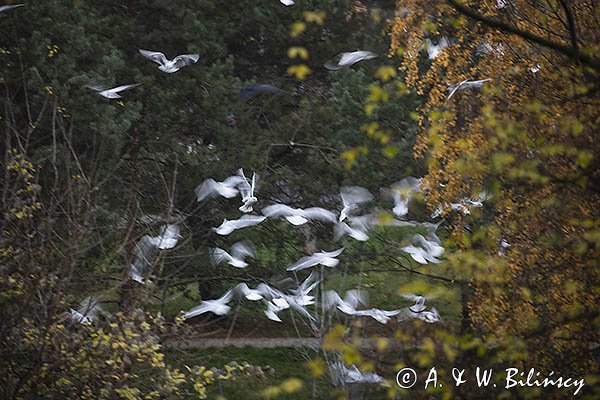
column 185, row 60
column 242, row 249
column 319, row 214
column 155, row 56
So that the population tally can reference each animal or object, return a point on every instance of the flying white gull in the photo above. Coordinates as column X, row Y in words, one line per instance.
column 503, row 246
column 299, row 216
column 147, row 247
column 250, row 294
column 212, row 188
column 349, row 59
column 423, row 250
column 7, row 8
column 430, row 316
column 434, row 49
column 168, row 237
column 239, row 251
column 355, row 231
column 87, row 311
column 246, row 189
column 301, row 294
column 287, row 2
column 170, row 66
column 218, row 306
column 229, row 226
column 343, row 375
column 347, row 305
column 381, row 316
column 466, row 84
column 326, row 258
column 352, row 198
column 419, row 300
column 401, row 193
column 112, row 93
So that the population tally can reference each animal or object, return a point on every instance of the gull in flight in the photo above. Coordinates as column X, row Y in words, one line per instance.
column 239, row 251
column 357, row 231
column 401, row 193
column 381, row 316
column 229, row 226
column 347, row 305
column 218, row 306
column 147, row 247
column 250, row 91
column 170, row 66
column 112, row 93
column 434, row 49
column 423, row 250
column 326, row 258
column 503, row 246
column 287, row 2
column 246, row 189
column 7, row 8
column 349, row 59
column 419, row 300
column 466, row 84
column 301, row 294
column 212, row 188
column 344, row 375
column 250, row 294
column 430, row 316
column 87, row 311
column 352, row 198
column 299, row 216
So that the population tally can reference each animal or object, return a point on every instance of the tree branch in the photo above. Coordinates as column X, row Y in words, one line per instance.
column 572, row 52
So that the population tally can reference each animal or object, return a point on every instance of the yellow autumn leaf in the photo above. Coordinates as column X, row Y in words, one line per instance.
column 299, row 71
column 295, row 51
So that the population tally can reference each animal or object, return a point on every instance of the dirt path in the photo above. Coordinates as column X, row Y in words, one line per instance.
column 259, row 343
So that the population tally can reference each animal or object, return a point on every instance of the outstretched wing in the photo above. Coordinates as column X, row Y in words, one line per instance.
column 185, row 60
column 155, row 56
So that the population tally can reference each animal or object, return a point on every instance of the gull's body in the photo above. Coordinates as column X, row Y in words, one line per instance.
column 352, row 198
column 147, row 247
column 246, row 189
column 503, row 246
column 168, row 238
column 358, row 232
column 466, row 84
column 287, row 3
column 250, row 294
column 401, row 193
column 381, row 316
column 322, row 258
column 424, row 251
column 212, row 188
column 348, row 59
column 87, row 311
column 218, row 306
column 112, row 93
column 301, row 294
column 239, row 251
column 299, row 216
column 229, row 226
column 430, row 316
column 170, row 66
column 346, row 375
column 347, row 305
column 433, row 50
column 419, row 300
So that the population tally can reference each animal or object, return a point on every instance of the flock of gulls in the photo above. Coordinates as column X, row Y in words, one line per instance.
column 349, row 221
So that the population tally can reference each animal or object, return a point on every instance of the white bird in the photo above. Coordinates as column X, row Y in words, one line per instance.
column 287, row 2
column 218, row 306
column 239, row 251
column 301, row 293
column 348, row 59
column 250, row 294
column 358, row 231
column 430, row 316
column 170, row 66
column 381, row 316
column 423, row 250
column 419, row 300
column 168, row 237
column 466, row 84
column 322, row 258
column 273, row 308
column 347, row 305
column 503, row 246
column 246, row 189
column 299, row 216
column 434, row 49
column 87, row 311
column 229, row 226
column 401, row 193
column 344, row 375
column 114, row 92
column 352, row 198
column 7, row 8
column 212, row 188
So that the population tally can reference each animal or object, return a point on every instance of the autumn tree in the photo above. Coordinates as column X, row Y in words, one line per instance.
column 527, row 136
